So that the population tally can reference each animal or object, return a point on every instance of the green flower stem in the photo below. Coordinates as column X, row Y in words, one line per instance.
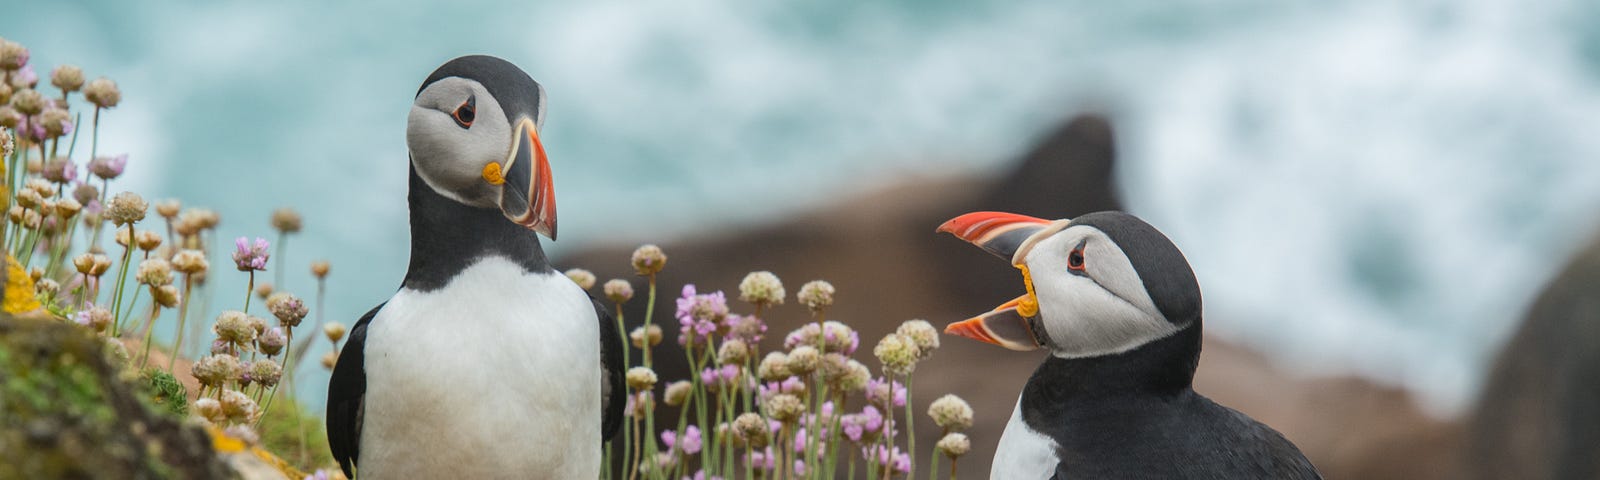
column 122, row 277
column 649, row 315
column 155, row 312
column 183, row 315
column 911, row 432
column 250, row 288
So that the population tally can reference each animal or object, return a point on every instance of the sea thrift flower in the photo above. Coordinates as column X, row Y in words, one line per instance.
column 220, row 347
column 68, row 78
column 951, row 413
column 833, row 368
column 886, row 393
column 689, row 443
column 733, row 352
column 584, row 278
column 618, row 290
column 56, row 121
column 189, row 262
column 9, row 118
column 155, row 272
column 898, row 353
column 243, row 433
column 649, row 260
column 330, row 359
column 126, row 208
column 641, row 334
column 816, row 295
column 899, row 462
column 774, row 367
column 148, row 240
column 28, row 102
column 319, row 269
column 864, row 427
column 838, row 337
column 210, row 409
column 272, row 342
column 60, row 170
column 286, row 220
column 752, row 430
column 248, row 256
column 745, row 328
column 103, row 93
column 13, row 55
column 699, row 316
column 334, row 331
column 264, row 290
column 762, row 289
column 169, row 208
column 165, row 295
column 677, row 392
column 96, row 318
column 85, row 194
column 288, row 308
column 258, row 324
column 784, row 407
column 803, row 360
column 641, row 378
column 213, row 370
column 954, row 445
column 923, row 334
column 238, row 406
column 265, row 372
column 67, row 208
column 108, row 167
column 718, row 378
column 639, row 404
column 234, row 327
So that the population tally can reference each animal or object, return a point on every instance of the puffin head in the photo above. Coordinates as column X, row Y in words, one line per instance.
column 473, row 134
column 1100, row 284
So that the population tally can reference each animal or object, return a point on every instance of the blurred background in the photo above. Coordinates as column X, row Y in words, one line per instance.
column 1372, row 193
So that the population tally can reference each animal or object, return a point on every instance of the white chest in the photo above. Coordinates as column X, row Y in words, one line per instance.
column 1023, row 453
column 495, row 375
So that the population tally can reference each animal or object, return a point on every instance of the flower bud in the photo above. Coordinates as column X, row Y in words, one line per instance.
column 649, row 260
column 762, row 289
column 103, row 93
column 618, row 290
column 264, row 290
column 334, row 331
column 640, row 334
column 584, row 278
column 288, row 308
column 677, row 392
column 774, row 367
column 951, row 413
column 641, row 378
column 102, row 263
column 330, row 359
column 68, row 78
column 319, row 269
column 816, row 295
column 272, row 342
column 169, row 208
column 286, row 220
column 68, row 208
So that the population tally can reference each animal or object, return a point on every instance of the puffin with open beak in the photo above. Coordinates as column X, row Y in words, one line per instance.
column 1118, row 308
column 487, row 363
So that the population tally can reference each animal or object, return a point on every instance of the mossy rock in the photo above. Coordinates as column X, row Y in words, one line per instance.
column 67, row 412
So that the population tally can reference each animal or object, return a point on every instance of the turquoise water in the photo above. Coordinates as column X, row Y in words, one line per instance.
column 1363, row 186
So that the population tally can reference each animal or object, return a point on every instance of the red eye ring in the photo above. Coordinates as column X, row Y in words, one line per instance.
column 1075, row 260
column 466, row 113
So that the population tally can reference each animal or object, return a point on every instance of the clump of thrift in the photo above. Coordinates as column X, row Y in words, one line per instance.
column 649, row 260
column 816, row 295
column 618, row 290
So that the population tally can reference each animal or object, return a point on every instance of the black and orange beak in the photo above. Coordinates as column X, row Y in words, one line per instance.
column 528, row 196
column 1008, row 236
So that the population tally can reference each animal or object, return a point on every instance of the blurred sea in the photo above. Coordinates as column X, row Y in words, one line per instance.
column 1374, row 187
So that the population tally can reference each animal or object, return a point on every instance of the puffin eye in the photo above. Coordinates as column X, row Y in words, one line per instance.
column 467, row 112
column 1075, row 259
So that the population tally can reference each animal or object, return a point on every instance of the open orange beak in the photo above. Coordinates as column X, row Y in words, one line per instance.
column 1003, row 326
column 528, row 195
column 1008, row 236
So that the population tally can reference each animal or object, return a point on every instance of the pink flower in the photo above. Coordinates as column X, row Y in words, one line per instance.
column 747, row 328
column 900, row 461
column 700, row 315
column 690, row 443
column 881, row 392
column 62, row 171
column 763, row 460
column 25, row 75
column 249, row 256
column 108, row 167
column 857, row 424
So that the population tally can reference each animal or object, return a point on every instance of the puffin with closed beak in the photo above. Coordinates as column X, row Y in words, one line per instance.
column 487, row 363
column 1118, row 308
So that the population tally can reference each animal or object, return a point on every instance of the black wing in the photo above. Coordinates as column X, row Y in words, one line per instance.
column 612, row 370
column 345, row 391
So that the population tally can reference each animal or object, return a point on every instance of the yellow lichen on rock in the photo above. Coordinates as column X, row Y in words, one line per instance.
column 20, row 294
